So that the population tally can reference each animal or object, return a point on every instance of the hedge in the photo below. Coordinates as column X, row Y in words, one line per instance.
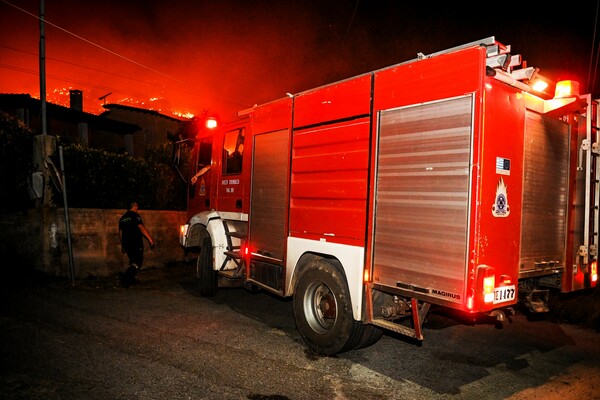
column 100, row 179
column 16, row 163
column 93, row 178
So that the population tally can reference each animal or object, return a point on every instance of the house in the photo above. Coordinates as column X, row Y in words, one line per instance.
column 156, row 129
column 120, row 129
column 71, row 124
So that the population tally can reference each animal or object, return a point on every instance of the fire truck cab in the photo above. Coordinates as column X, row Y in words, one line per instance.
column 445, row 180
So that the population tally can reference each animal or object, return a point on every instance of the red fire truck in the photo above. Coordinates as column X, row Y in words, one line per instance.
column 445, row 180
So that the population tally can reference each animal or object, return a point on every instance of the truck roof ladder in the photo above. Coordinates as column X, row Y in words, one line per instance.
column 595, row 133
column 591, row 147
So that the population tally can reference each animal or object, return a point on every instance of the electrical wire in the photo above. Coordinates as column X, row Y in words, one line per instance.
column 350, row 23
column 93, row 44
column 70, row 80
column 98, row 70
column 237, row 103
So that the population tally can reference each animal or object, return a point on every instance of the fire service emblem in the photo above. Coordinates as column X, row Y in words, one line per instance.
column 501, row 207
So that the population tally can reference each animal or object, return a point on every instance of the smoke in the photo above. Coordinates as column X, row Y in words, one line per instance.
column 224, row 56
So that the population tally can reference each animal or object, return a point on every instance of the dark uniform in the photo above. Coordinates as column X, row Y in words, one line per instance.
column 132, row 239
column 133, row 245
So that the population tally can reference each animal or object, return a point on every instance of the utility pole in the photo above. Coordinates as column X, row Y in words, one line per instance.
column 43, row 69
column 44, row 145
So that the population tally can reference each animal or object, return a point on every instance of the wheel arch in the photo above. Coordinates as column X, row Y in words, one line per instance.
column 213, row 223
column 349, row 260
column 309, row 257
column 197, row 228
column 195, row 235
column 207, row 223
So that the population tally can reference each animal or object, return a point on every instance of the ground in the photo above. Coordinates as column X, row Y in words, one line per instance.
column 578, row 308
column 581, row 308
column 159, row 339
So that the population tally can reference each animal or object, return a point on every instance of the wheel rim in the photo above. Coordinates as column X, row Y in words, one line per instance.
column 320, row 307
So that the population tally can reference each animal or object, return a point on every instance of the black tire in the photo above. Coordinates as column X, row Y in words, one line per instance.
column 207, row 276
column 323, row 310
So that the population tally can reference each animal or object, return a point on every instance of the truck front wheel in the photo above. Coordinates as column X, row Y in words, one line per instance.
column 207, row 276
column 323, row 310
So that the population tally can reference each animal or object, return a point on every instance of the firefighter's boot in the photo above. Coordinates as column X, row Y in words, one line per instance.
column 128, row 277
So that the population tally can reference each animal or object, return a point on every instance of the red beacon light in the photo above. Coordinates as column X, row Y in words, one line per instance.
column 566, row 94
column 211, row 123
column 565, row 89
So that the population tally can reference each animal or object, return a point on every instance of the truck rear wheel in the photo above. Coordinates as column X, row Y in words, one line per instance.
column 323, row 310
column 207, row 276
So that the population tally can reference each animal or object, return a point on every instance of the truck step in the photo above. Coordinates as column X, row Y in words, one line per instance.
column 233, row 254
column 231, row 276
column 239, row 235
column 398, row 328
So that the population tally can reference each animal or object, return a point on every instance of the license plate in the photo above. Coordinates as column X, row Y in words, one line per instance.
column 504, row 293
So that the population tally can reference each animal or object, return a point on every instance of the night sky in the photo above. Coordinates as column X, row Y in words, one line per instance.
column 226, row 55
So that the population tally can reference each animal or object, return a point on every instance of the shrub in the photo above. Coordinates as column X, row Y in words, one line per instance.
column 100, row 179
column 94, row 178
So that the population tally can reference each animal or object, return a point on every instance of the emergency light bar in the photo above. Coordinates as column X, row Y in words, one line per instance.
column 539, row 85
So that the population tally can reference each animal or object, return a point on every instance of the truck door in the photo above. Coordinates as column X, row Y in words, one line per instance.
column 545, row 195
column 422, row 197
column 199, row 193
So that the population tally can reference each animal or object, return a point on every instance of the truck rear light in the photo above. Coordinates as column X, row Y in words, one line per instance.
column 489, row 282
column 594, row 272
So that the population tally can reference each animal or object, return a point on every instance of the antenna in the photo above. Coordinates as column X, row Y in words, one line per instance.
column 104, row 97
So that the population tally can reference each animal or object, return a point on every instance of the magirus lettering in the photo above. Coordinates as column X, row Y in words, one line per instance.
column 446, row 294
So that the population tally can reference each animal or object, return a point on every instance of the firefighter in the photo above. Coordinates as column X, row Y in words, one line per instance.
column 131, row 234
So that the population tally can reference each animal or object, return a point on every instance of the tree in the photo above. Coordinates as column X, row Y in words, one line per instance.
column 16, row 163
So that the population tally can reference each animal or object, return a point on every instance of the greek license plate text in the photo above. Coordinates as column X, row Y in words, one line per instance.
column 504, row 293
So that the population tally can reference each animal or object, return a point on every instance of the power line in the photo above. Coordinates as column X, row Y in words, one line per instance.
column 350, row 23
column 70, row 80
column 93, row 44
column 82, row 66
column 162, row 87
column 121, row 56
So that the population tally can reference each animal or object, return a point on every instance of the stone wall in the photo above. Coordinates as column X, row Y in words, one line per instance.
column 38, row 238
column 20, row 244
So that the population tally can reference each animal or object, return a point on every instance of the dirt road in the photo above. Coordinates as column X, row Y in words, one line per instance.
column 160, row 340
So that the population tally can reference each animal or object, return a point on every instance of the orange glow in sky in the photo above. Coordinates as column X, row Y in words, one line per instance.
column 186, row 58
